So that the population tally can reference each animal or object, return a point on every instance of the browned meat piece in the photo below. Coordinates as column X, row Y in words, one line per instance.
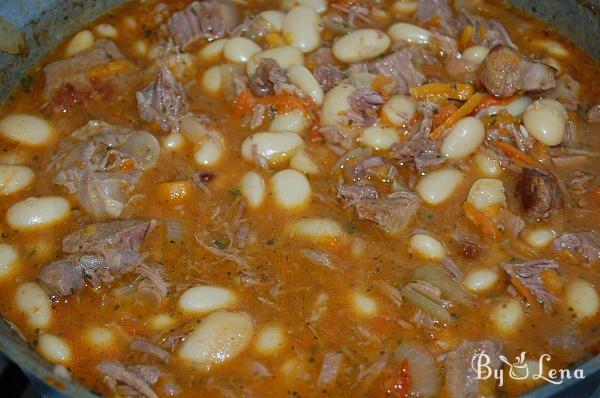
column 365, row 104
column 420, row 150
column 69, row 81
column 461, row 70
column 364, row 166
column 511, row 223
column 209, row 20
column 102, row 164
column 528, row 274
column 392, row 213
column 441, row 11
column 268, row 78
column 163, row 101
column 593, row 115
column 98, row 253
column 539, row 193
column 586, row 243
column 130, row 380
column 461, row 379
column 354, row 193
column 400, row 66
column 487, row 32
column 328, row 76
column 468, row 245
column 505, row 72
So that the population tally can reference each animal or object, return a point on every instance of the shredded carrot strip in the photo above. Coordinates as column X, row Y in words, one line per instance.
column 444, row 114
column 523, row 290
column 246, row 101
column 481, row 220
column 403, row 382
column 490, row 100
column 517, row 154
column 463, row 111
column 551, row 281
column 442, row 91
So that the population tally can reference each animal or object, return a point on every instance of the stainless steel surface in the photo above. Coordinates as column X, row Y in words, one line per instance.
column 47, row 22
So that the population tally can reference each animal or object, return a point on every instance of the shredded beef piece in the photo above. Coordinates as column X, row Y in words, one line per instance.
column 392, row 213
column 209, row 20
column 365, row 104
column 419, row 149
column 137, row 378
column 486, row 32
column 400, row 66
column 365, row 165
column 461, row 379
column 504, row 72
column 512, row 223
column 163, row 101
column 586, row 243
column 268, row 78
column 150, row 349
column 354, row 193
column 98, row 253
column 328, row 76
column 69, row 82
column 593, row 115
column 539, row 193
column 528, row 274
column 439, row 10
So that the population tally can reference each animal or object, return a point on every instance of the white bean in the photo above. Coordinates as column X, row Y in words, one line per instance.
column 253, row 188
column 408, row 32
column 33, row 301
column 26, row 129
column 488, row 164
column 54, row 348
column 380, row 138
column 208, row 153
column 546, row 120
column 318, row 229
column 173, row 142
column 37, row 212
column 99, row 338
column 285, row 56
column 14, row 178
column 220, row 337
column 238, row 50
column 303, row 163
column 539, row 238
column 161, row 322
column 294, row 121
column 437, row 186
column 464, row 138
column 553, row 62
column 335, row 103
column 398, row 110
column 80, row 42
column 275, row 147
column 487, row 192
column 363, row 304
column 427, row 247
column 361, row 45
column 205, row 299
column 273, row 18
column 553, row 48
column 213, row 51
column 480, row 280
column 582, row 298
column 319, row 6
column 8, row 259
column 291, row 188
column 507, row 316
column 404, row 8
column 518, row 106
column 475, row 54
column 106, row 30
column 305, row 81
column 140, row 48
column 270, row 340
column 301, row 28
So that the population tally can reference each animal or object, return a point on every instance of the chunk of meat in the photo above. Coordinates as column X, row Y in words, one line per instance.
column 328, row 76
column 392, row 213
column 268, row 78
column 98, row 253
column 593, row 115
column 529, row 275
column 102, row 164
column 146, row 347
column 138, row 378
column 539, row 193
column 354, row 193
column 209, row 20
column 504, row 72
column 586, row 243
column 461, row 379
column 486, row 32
column 163, row 101
column 365, row 104
column 420, row 150
column 72, row 81
column 399, row 65
column 439, row 14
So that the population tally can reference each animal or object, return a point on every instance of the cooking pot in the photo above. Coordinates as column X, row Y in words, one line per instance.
column 47, row 22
